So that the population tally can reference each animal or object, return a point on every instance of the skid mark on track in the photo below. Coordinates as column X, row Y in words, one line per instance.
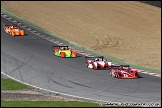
column 60, row 83
column 78, row 84
column 19, row 70
column 23, row 63
column 115, row 84
column 127, row 89
column 105, row 83
column 49, row 76
column 137, row 88
column 3, row 65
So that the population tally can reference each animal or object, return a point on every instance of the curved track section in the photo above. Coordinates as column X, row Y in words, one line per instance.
column 30, row 59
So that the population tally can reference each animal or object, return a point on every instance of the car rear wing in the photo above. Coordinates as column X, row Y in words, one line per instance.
column 93, row 57
column 59, row 46
column 120, row 65
column 125, row 65
column 117, row 66
column 8, row 25
column 5, row 25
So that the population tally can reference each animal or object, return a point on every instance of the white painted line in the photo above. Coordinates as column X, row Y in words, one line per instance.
column 51, row 90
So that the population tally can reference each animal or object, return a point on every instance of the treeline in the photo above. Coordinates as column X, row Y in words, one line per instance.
column 153, row 3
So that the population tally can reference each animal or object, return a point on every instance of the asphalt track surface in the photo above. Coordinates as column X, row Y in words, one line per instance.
column 30, row 59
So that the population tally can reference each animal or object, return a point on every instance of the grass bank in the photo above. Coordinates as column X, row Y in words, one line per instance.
column 9, row 84
column 47, row 104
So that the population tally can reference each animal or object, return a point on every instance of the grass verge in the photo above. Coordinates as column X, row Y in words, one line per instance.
column 9, row 84
column 53, row 104
column 47, row 104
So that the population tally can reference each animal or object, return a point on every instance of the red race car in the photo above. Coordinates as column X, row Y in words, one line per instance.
column 123, row 71
column 97, row 62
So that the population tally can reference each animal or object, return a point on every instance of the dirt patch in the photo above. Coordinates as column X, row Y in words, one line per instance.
column 27, row 95
column 130, row 31
column 32, row 95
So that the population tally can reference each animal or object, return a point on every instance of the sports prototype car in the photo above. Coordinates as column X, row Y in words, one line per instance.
column 13, row 30
column 63, row 51
column 97, row 62
column 123, row 71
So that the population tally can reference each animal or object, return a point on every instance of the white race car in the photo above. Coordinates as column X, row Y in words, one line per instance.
column 97, row 62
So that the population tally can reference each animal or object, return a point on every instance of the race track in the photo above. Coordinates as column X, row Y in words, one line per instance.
column 31, row 60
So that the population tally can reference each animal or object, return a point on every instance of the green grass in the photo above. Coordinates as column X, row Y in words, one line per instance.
column 9, row 84
column 52, row 104
column 47, row 104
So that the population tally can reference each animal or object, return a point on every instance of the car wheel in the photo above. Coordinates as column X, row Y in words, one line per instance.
column 12, row 33
column 94, row 67
column 86, row 65
column 115, row 75
column 4, row 29
column 62, row 54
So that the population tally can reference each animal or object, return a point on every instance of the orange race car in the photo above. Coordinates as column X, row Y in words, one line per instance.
column 13, row 30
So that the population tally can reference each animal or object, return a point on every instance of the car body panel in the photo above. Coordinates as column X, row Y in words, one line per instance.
column 64, row 52
column 13, row 30
column 97, row 62
column 124, row 72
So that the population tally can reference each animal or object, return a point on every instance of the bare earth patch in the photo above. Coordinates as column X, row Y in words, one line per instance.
column 32, row 95
column 27, row 95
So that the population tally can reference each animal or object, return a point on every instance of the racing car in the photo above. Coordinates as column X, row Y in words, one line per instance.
column 123, row 71
column 63, row 51
column 97, row 62
column 13, row 30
